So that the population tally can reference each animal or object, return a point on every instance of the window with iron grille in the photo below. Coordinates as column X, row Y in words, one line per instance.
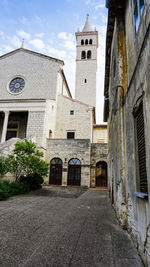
column 141, row 152
column 138, row 6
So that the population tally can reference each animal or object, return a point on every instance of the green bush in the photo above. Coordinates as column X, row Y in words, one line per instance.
column 3, row 165
column 26, row 160
column 8, row 189
column 34, row 181
column 18, row 188
column 4, row 190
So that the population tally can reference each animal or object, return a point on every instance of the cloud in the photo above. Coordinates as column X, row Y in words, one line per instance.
column 1, row 34
column 69, row 45
column 97, row 5
column 60, row 54
column 65, row 36
column 37, row 44
column 39, row 35
column 15, row 41
column 8, row 48
column 68, row 40
column 24, row 20
column 23, row 34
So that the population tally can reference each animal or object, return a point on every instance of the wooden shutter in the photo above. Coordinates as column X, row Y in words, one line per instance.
column 141, row 149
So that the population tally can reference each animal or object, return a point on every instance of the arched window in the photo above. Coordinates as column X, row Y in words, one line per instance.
column 83, row 55
column 86, row 41
column 74, row 161
column 55, row 171
column 74, row 172
column 89, row 54
column 90, row 42
column 82, row 42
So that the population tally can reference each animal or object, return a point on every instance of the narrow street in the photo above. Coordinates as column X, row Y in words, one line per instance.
column 63, row 228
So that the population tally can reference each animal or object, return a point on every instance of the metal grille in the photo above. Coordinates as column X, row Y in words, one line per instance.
column 74, row 172
column 56, row 171
column 141, row 149
column 74, row 175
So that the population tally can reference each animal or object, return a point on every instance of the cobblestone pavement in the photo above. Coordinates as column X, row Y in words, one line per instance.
column 53, row 230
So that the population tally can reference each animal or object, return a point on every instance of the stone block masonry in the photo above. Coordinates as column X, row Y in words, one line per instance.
column 68, row 149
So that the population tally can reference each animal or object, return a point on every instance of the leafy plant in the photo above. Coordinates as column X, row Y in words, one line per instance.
column 26, row 160
column 3, row 166
column 34, row 181
column 4, row 190
column 8, row 189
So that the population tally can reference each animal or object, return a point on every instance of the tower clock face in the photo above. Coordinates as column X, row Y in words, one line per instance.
column 17, row 85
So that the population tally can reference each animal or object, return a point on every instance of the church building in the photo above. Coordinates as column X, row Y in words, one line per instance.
column 36, row 103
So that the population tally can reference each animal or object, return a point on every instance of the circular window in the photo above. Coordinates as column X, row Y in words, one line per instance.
column 17, row 85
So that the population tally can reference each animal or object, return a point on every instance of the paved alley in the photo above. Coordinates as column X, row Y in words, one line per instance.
column 63, row 228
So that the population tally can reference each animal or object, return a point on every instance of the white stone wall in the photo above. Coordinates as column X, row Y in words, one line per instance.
column 39, row 73
column 61, row 86
column 100, row 135
column 86, row 92
column 36, row 126
column 86, row 69
column 80, row 122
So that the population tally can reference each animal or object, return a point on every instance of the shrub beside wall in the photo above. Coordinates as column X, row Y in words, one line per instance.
column 26, row 164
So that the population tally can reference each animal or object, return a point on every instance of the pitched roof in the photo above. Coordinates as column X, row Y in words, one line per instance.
column 33, row 53
column 87, row 26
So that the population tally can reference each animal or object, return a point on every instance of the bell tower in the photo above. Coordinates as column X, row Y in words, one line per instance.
column 86, row 64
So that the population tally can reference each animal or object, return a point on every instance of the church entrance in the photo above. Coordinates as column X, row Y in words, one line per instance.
column 74, row 172
column 55, row 171
column 101, row 174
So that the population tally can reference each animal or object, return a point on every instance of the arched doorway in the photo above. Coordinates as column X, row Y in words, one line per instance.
column 101, row 174
column 74, row 172
column 55, row 171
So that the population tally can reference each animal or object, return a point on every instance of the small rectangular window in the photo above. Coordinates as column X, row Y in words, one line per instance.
column 141, row 151
column 70, row 135
column 71, row 112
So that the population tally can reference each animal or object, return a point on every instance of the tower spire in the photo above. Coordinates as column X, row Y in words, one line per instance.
column 87, row 26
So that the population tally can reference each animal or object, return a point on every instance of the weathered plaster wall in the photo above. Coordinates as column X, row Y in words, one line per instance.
column 134, row 78
column 138, row 56
column 100, row 135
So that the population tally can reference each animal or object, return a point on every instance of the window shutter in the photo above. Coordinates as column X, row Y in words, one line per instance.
column 141, row 149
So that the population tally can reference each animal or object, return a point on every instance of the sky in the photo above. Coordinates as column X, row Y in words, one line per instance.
column 49, row 27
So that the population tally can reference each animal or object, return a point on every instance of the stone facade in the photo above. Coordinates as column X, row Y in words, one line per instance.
column 68, row 149
column 127, row 86
column 98, row 154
